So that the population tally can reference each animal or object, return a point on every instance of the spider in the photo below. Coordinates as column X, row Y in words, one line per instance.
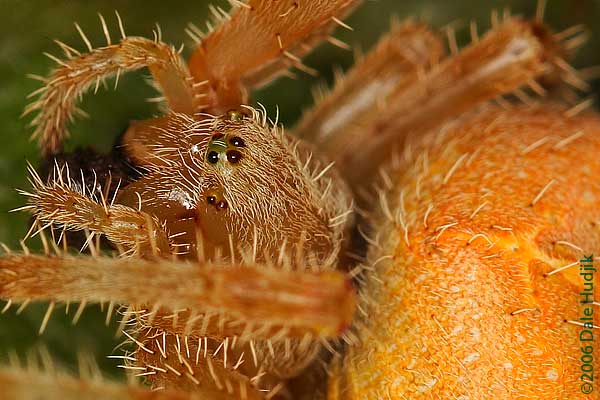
column 231, row 244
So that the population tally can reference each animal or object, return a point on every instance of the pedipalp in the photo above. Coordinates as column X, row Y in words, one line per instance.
column 56, row 104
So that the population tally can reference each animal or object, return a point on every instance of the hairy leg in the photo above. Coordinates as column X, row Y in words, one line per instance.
column 56, row 104
column 407, row 51
column 64, row 204
column 192, row 364
column 321, row 304
column 264, row 38
column 18, row 384
column 512, row 55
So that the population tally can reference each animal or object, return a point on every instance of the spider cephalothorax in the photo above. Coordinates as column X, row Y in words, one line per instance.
column 238, row 179
column 229, row 246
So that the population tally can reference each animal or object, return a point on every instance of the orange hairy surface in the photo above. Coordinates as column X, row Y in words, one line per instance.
column 466, row 299
column 20, row 384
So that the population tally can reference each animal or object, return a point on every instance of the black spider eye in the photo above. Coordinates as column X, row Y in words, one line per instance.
column 213, row 157
column 237, row 141
column 234, row 156
column 211, row 199
column 222, row 205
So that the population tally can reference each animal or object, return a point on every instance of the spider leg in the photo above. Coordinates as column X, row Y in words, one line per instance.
column 56, row 104
column 401, row 57
column 62, row 203
column 50, row 385
column 264, row 38
column 510, row 56
column 216, row 324
column 321, row 304
column 191, row 364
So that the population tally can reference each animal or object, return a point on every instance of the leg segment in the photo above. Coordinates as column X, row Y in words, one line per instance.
column 321, row 304
column 217, row 325
column 74, row 76
column 19, row 384
column 61, row 203
column 405, row 52
column 186, row 363
column 264, row 38
column 512, row 55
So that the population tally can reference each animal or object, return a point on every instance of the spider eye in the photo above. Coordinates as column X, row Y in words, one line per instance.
column 234, row 156
column 235, row 115
column 213, row 157
column 215, row 198
column 237, row 142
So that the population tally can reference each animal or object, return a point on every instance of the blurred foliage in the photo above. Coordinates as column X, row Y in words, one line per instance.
column 27, row 30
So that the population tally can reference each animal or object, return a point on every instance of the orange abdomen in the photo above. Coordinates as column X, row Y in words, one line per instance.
column 475, row 290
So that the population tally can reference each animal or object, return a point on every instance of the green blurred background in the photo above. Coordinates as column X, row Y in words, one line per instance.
column 27, row 29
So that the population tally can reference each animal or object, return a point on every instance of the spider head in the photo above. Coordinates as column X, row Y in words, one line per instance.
column 259, row 186
column 242, row 181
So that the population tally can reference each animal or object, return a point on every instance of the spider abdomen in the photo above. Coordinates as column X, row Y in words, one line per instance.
column 478, row 273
